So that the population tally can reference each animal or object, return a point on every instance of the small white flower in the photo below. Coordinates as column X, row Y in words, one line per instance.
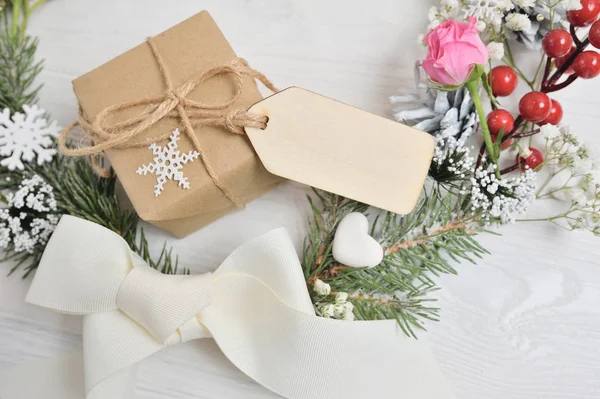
column 434, row 24
column 518, row 22
column 28, row 220
column 480, row 25
column 344, row 311
column 496, row 50
column 349, row 314
column 550, row 131
column 524, row 3
column 570, row 5
column 322, row 288
column 341, row 297
column 433, row 14
column 327, row 310
column 505, row 5
column 451, row 4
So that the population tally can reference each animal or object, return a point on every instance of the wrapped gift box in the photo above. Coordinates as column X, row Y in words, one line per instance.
column 189, row 48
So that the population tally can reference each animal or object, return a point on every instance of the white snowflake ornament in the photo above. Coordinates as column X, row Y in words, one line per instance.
column 25, row 137
column 167, row 164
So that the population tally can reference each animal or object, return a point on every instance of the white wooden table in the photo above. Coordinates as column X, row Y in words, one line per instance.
column 524, row 323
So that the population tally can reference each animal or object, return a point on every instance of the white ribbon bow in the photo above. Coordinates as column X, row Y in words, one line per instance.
column 256, row 306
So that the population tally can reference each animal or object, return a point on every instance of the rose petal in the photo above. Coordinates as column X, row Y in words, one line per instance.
column 437, row 74
column 458, row 60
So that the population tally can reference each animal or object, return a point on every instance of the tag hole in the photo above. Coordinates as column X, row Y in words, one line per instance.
column 266, row 123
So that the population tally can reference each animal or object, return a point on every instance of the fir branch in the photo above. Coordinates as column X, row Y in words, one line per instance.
column 18, row 67
column 79, row 192
column 419, row 246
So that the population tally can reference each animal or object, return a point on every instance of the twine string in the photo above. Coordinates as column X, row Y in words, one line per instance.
column 103, row 135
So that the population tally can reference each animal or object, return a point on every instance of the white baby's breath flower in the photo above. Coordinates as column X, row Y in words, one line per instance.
column 550, row 131
column 505, row 5
column 480, row 26
column 433, row 14
column 344, row 311
column 29, row 218
column 496, row 50
column 434, row 24
column 327, row 310
column 349, row 314
column 518, row 22
column 570, row 5
column 524, row 3
column 501, row 199
column 322, row 288
column 341, row 297
column 452, row 4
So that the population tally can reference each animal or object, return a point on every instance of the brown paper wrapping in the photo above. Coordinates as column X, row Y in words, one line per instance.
column 188, row 48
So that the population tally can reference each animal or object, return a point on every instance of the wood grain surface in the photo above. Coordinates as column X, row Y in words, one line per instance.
column 524, row 323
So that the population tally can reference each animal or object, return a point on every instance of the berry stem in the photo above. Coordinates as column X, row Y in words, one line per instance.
column 528, row 134
column 547, row 71
column 510, row 169
column 480, row 157
column 560, row 86
column 559, row 73
column 575, row 37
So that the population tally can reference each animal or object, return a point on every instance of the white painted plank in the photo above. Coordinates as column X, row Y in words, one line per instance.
column 524, row 323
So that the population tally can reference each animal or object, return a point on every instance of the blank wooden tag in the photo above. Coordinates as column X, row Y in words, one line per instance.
column 332, row 146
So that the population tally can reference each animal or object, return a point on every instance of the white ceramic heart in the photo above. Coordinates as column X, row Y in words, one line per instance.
column 352, row 244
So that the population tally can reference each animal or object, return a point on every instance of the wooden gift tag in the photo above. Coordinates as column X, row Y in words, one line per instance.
column 332, row 146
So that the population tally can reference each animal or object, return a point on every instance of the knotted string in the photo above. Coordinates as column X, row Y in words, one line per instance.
column 173, row 104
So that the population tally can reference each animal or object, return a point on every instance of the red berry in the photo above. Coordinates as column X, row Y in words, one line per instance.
column 585, row 16
column 531, row 158
column 557, row 43
column 562, row 60
column 594, row 34
column 587, row 65
column 500, row 119
column 535, row 106
column 556, row 114
column 503, row 80
column 506, row 144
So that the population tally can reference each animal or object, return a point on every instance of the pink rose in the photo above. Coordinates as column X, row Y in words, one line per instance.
column 453, row 50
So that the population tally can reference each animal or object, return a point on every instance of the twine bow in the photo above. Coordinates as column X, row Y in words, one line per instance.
column 173, row 104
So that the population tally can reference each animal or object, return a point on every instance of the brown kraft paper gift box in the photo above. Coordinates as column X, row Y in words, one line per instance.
column 189, row 48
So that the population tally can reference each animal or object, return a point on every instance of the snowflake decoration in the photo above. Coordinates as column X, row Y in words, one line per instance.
column 25, row 136
column 167, row 164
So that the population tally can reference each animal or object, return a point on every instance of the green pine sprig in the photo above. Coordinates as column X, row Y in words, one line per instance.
column 418, row 247
column 18, row 66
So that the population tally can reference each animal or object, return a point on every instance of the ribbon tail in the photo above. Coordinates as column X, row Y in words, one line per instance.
column 301, row 356
column 112, row 344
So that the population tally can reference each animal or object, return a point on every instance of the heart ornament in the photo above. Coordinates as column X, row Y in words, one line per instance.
column 352, row 244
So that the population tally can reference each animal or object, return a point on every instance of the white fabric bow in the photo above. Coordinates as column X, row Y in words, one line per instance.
column 255, row 305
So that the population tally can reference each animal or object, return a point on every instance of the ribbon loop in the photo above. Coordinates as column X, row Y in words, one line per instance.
column 255, row 305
